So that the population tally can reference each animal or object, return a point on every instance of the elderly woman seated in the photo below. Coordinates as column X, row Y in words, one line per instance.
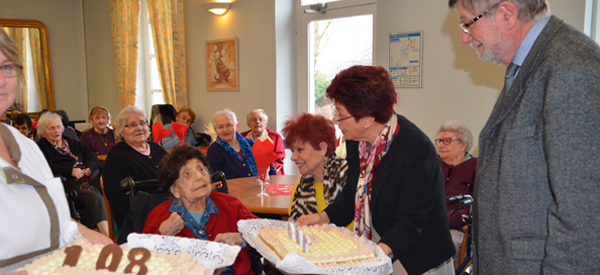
column 185, row 117
column 134, row 157
column 231, row 152
column 100, row 138
column 312, row 141
column 71, row 160
column 454, row 140
column 196, row 212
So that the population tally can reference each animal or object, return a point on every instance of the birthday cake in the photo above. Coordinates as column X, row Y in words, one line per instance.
column 324, row 245
column 81, row 257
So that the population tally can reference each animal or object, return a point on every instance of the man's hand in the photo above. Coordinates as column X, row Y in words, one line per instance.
column 172, row 226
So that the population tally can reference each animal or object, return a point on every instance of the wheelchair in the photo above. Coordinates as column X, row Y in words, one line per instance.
column 465, row 257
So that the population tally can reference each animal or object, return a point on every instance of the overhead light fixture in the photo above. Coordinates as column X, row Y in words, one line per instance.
column 217, row 8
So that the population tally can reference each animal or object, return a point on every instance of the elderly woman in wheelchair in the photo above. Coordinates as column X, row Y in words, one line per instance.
column 195, row 211
column 77, row 164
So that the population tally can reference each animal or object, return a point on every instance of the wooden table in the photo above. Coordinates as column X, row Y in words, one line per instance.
column 246, row 189
column 102, row 158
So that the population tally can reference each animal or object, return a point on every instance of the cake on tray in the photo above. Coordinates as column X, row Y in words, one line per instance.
column 323, row 245
column 82, row 257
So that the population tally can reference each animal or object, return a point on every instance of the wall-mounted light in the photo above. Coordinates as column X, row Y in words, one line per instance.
column 217, row 8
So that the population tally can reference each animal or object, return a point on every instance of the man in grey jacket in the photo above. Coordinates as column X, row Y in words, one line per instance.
column 537, row 187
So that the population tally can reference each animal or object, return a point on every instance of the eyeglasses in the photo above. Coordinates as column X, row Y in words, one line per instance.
column 11, row 70
column 446, row 141
column 336, row 114
column 143, row 123
column 258, row 119
column 465, row 26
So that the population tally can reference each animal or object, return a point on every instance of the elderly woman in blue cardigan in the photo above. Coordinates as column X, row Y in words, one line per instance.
column 231, row 152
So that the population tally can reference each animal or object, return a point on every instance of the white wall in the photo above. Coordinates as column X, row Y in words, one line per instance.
column 455, row 83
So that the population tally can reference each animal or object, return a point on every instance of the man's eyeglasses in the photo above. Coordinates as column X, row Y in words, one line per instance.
column 465, row 26
column 143, row 123
column 446, row 141
column 11, row 70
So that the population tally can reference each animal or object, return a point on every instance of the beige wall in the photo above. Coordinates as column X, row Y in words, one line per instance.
column 456, row 85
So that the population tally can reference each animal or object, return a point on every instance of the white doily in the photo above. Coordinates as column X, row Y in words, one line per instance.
column 292, row 263
column 212, row 255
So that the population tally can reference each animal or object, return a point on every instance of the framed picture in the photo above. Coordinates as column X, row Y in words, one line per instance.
column 222, row 73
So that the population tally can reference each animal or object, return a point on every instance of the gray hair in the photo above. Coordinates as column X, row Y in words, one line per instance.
column 462, row 132
column 225, row 112
column 43, row 122
column 528, row 9
column 121, row 119
column 257, row 111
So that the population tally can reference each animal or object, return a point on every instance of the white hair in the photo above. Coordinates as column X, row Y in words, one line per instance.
column 225, row 112
column 122, row 119
column 257, row 111
column 43, row 122
column 462, row 132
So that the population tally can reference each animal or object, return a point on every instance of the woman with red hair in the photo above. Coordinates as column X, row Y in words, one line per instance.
column 395, row 188
column 312, row 141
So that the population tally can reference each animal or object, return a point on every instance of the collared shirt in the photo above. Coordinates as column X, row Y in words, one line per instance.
column 250, row 135
column 198, row 227
column 196, row 222
column 529, row 39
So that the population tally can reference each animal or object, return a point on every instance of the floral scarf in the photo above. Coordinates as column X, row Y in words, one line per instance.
column 334, row 179
column 66, row 150
column 246, row 150
column 370, row 158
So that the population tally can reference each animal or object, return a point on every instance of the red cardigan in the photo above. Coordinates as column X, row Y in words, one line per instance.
column 279, row 149
column 230, row 210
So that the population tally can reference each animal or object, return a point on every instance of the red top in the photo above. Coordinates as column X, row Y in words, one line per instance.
column 230, row 210
column 458, row 179
column 279, row 149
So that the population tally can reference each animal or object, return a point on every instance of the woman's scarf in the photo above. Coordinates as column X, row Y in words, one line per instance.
column 334, row 179
column 66, row 150
column 246, row 150
column 369, row 161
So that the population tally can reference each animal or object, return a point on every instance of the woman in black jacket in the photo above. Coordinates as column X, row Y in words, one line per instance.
column 395, row 184
column 74, row 162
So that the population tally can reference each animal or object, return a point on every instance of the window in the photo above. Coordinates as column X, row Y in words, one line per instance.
column 331, row 39
column 148, row 83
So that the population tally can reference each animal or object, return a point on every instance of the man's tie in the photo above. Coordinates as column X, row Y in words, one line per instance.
column 511, row 70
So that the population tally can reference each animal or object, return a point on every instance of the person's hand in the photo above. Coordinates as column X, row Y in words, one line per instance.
column 93, row 236
column 312, row 219
column 172, row 226
column 87, row 172
column 77, row 173
column 230, row 239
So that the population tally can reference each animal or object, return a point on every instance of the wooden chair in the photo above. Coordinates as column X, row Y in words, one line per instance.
column 111, row 230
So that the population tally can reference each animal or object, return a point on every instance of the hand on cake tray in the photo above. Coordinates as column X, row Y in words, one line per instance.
column 92, row 236
column 313, row 219
column 172, row 226
column 230, row 239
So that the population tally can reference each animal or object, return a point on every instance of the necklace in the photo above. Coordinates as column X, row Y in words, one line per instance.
column 103, row 139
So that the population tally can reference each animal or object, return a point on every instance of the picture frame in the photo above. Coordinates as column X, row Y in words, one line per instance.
column 222, row 65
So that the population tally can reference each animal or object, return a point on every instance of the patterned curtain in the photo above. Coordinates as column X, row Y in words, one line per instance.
column 166, row 17
column 38, row 66
column 125, row 20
